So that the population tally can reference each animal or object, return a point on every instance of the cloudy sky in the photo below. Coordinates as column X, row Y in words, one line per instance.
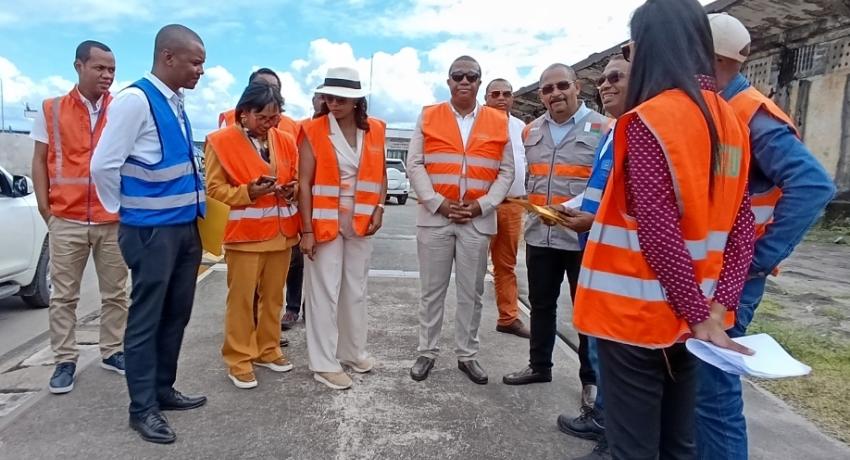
column 410, row 43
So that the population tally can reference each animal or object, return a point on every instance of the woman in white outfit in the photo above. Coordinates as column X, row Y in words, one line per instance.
column 343, row 187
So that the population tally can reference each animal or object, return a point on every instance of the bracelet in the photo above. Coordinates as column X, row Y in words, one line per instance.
column 306, row 232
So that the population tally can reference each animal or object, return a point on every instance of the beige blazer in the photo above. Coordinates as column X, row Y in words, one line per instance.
column 430, row 201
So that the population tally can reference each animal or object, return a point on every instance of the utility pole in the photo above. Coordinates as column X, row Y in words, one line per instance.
column 2, row 109
column 371, row 72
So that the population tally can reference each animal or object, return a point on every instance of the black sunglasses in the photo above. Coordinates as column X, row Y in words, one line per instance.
column 328, row 98
column 471, row 77
column 561, row 85
column 626, row 50
column 496, row 94
column 613, row 78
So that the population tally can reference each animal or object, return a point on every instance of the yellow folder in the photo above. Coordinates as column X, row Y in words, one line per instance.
column 212, row 226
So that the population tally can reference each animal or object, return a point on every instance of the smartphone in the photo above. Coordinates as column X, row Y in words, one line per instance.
column 264, row 180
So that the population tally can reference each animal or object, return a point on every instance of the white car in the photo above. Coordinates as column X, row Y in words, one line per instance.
column 23, row 243
column 397, row 184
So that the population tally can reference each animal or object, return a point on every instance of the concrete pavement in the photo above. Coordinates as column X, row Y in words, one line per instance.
column 385, row 415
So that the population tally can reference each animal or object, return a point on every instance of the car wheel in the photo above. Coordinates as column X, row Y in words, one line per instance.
column 402, row 199
column 38, row 293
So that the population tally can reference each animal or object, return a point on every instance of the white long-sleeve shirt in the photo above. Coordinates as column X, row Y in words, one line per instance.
column 130, row 131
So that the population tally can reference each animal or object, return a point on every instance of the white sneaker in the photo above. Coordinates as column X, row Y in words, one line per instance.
column 244, row 381
column 279, row 365
column 363, row 366
column 335, row 380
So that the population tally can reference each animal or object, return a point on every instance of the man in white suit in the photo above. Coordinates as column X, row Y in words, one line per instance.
column 461, row 165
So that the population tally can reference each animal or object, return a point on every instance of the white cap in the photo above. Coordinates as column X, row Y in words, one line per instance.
column 730, row 36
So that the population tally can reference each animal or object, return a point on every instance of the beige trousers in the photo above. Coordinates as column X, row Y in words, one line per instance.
column 335, row 293
column 70, row 246
column 439, row 248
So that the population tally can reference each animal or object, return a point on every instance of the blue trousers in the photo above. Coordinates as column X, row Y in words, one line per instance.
column 720, row 423
column 164, row 262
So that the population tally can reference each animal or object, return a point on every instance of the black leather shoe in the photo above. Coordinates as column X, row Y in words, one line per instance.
column 421, row 368
column 179, row 401
column 526, row 376
column 153, row 427
column 588, row 425
column 474, row 371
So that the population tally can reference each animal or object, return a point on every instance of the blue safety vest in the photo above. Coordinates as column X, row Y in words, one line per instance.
column 602, row 162
column 170, row 192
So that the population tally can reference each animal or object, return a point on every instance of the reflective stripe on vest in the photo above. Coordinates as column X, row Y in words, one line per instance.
column 326, row 186
column 262, row 213
column 70, row 143
column 268, row 216
column 175, row 200
column 445, row 155
column 619, row 296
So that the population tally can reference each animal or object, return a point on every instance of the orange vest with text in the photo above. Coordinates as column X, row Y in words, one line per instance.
column 71, row 142
column 268, row 216
column 445, row 154
column 326, row 181
column 746, row 104
column 619, row 297
column 286, row 124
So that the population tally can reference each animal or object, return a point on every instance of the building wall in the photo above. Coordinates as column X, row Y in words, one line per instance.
column 16, row 153
column 823, row 121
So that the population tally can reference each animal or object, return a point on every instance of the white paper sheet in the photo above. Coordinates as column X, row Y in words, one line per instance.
column 770, row 360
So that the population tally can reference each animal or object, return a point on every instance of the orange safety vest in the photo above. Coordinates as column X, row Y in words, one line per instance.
column 267, row 216
column 71, row 143
column 444, row 152
column 746, row 104
column 326, row 181
column 286, row 124
column 619, row 297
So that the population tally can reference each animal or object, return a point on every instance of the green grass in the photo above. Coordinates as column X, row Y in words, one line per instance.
column 824, row 395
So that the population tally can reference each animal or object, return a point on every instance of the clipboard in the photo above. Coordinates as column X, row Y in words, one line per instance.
column 211, row 227
column 541, row 211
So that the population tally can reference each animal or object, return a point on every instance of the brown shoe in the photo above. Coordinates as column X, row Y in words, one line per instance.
column 517, row 328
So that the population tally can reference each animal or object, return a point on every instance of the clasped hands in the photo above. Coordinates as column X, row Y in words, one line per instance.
column 460, row 212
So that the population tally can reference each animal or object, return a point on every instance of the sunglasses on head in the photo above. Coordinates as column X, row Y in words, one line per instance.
column 626, row 50
column 328, row 98
column 471, row 77
column 561, row 85
column 612, row 77
column 496, row 94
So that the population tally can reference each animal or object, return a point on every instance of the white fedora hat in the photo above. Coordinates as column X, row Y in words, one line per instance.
column 342, row 82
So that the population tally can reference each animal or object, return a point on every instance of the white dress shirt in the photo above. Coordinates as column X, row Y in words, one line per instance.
column 515, row 126
column 130, row 132
column 464, row 124
column 560, row 130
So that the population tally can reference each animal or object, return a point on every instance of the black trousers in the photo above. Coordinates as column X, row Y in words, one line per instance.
column 295, row 280
column 650, row 398
column 164, row 265
column 546, row 268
